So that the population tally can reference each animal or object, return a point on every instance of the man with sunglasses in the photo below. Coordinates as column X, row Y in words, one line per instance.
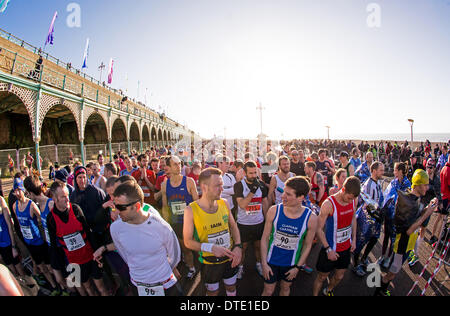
column 146, row 243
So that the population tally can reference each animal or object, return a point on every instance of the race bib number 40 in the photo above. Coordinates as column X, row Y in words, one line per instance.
column 221, row 239
column 74, row 241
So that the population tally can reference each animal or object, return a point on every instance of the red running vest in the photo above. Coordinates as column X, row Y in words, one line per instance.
column 73, row 239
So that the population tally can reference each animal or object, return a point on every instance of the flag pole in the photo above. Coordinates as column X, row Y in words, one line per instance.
column 51, row 30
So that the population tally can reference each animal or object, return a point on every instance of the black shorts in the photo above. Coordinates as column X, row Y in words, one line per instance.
column 7, row 256
column 214, row 273
column 251, row 233
column 90, row 270
column 178, row 229
column 39, row 254
column 325, row 265
column 279, row 274
column 58, row 260
column 445, row 208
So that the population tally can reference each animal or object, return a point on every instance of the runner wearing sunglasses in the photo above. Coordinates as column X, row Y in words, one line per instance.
column 146, row 242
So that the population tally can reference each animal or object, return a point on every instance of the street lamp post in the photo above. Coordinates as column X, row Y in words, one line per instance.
column 411, row 122
column 328, row 127
column 261, row 109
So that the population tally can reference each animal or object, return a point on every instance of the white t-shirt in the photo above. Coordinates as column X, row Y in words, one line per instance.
column 151, row 250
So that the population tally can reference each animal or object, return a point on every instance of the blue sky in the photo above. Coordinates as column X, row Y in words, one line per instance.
column 310, row 63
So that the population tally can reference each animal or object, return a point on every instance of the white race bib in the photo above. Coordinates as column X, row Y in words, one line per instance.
column 344, row 234
column 26, row 232
column 74, row 242
column 178, row 208
column 221, row 239
column 150, row 291
column 286, row 241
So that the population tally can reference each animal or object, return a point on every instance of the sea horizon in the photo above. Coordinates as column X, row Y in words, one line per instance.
column 400, row 137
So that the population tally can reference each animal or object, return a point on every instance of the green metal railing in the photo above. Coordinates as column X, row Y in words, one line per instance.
column 13, row 63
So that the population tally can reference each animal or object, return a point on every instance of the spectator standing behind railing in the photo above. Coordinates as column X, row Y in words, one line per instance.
column 38, row 66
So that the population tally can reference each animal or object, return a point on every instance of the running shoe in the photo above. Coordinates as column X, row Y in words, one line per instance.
column 55, row 292
column 360, row 270
column 191, row 274
column 412, row 260
column 40, row 279
column 240, row 272
column 306, row 269
column 259, row 269
column 325, row 292
column 64, row 293
column 383, row 293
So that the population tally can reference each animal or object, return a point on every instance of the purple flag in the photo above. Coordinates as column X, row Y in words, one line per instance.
column 50, row 38
column 111, row 71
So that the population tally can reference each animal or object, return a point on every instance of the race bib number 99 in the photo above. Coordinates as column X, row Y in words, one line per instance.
column 74, row 241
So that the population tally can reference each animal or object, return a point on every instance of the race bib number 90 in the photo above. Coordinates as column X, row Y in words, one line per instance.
column 286, row 241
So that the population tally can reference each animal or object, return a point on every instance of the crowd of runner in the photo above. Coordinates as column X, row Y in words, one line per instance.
column 140, row 223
